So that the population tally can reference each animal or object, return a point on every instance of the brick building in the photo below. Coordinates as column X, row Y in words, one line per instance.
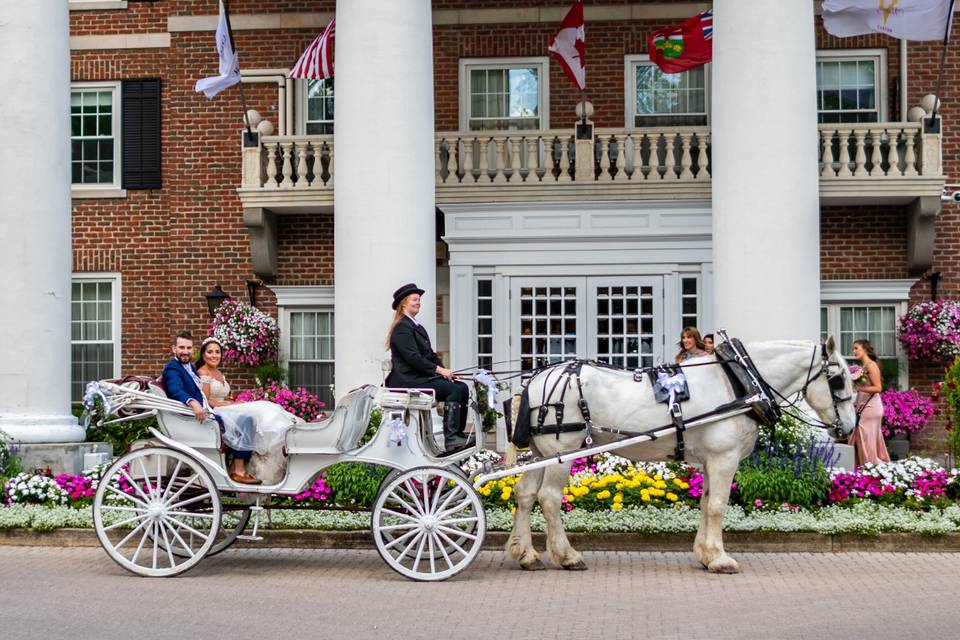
column 531, row 262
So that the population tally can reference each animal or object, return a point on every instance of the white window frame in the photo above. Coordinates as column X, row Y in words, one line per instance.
column 302, row 109
column 470, row 64
column 113, row 189
column 835, row 294
column 293, row 299
column 630, row 63
column 878, row 57
column 116, row 319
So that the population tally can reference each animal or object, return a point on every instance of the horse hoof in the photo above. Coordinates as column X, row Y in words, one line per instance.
column 579, row 565
column 724, row 565
column 536, row 565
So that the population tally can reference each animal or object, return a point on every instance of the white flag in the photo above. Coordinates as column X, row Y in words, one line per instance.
column 229, row 64
column 903, row 19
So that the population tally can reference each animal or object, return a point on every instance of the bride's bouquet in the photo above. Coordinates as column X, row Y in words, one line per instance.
column 249, row 336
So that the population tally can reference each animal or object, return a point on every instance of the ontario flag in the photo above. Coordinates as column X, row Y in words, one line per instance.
column 683, row 47
column 569, row 46
column 316, row 63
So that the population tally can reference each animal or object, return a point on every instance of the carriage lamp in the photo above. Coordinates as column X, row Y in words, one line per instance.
column 215, row 298
column 252, row 286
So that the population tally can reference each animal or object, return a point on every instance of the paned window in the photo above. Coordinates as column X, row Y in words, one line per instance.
column 665, row 99
column 94, row 333
column 94, row 135
column 625, row 325
column 876, row 323
column 311, row 353
column 320, row 106
column 548, row 325
column 485, row 323
column 507, row 96
column 689, row 305
column 847, row 89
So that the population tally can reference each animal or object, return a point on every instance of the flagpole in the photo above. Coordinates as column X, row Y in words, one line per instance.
column 243, row 98
column 943, row 63
column 583, row 106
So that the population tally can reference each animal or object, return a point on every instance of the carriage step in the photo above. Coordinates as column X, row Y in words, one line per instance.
column 251, row 538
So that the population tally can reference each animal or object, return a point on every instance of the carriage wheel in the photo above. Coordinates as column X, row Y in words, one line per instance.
column 157, row 512
column 234, row 518
column 428, row 523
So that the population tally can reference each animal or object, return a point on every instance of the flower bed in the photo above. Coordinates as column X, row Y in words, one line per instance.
column 299, row 401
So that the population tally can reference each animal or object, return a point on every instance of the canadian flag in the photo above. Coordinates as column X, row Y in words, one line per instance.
column 569, row 46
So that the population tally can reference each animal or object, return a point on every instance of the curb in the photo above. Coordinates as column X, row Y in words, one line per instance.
column 741, row 542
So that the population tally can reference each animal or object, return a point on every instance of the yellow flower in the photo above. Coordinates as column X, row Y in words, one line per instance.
column 619, row 486
column 571, row 498
column 566, row 490
column 603, row 495
column 616, row 506
column 658, row 477
column 505, row 495
column 645, row 497
column 618, row 497
column 672, row 497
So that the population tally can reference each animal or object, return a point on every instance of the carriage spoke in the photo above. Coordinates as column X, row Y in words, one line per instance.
column 413, row 495
column 416, row 561
column 173, row 476
column 190, row 514
column 182, row 489
column 187, row 547
column 115, row 508
column 156, row 543
column 449, row 512
column 453, row 544
column 166, row 542
column 127, row 496
column 460, row 520
column 123, row 522
column 441, row 483
column 407, row 505
column 425, row 493
column 146, row 477
column 181, row 523
column 417, row 537
column 184, row 503
column 446, row 556
column 433, row 564
column 450, row 496
column 130, row 535
column 400, row 539
column 456, row 532
column 133, row 484
column 400, row 515
column 393, row 527
column 143, row 538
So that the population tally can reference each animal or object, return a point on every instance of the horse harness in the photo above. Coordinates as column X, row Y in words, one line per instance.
column 669, row 387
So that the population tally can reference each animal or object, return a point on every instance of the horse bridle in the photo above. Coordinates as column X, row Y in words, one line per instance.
column 835, row 382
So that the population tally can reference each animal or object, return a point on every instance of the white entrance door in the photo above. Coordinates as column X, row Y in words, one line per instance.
column 615, row 319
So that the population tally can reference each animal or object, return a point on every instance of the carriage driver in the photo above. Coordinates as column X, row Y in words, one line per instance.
column 416, row 365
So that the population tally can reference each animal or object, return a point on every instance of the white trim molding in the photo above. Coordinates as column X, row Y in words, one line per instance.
column 543, row 84
column 855, row 291
column 303, row 296
column 879, row 56
column 102, row 190
column 630, row 62
column 115, row 279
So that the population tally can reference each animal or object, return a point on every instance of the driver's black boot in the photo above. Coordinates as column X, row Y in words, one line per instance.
column 453, row 437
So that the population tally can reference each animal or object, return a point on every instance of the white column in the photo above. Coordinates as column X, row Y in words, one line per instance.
column 35, row 258
column 766, row 236
column 384, row 197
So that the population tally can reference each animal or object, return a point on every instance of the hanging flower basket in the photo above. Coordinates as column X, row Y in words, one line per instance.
column 249, row 336
column 931, row 330
column 905, row 412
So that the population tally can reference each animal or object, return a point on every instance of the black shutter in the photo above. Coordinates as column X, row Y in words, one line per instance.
column 140, row 104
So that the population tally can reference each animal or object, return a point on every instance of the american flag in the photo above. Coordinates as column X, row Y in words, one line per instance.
column 706, row 21
column 316, row 63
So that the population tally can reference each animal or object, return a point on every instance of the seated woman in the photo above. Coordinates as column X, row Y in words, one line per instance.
column 691, row 345
column 247, row 426
column 416, row 365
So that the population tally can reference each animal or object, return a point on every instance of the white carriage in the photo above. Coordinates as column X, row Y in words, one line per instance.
column 160, row 509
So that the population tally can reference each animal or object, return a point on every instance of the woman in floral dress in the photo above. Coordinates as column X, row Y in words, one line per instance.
column 867, row 439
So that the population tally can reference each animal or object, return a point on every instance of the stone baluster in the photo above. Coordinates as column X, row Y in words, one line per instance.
column 702, row 159
column 621, row 163
column 564, row 160
column 514, row 159
column 876, row 162
column 438, row 160
column 827, row 169
column 500, row 162
column 844, row 136
column 287, row 169
column 640, row 170
column 685, row 160
column 302, row 181
column 604, row 158
column 329, row 163
column 910, row 155
column 467, row 159
column 533, row 160
column 860, row 159
column 271, row 164
column 484, row 176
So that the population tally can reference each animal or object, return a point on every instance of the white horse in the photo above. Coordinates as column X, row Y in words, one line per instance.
column 615, row 400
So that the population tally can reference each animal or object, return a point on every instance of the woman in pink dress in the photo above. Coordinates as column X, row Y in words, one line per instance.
column 867, row 440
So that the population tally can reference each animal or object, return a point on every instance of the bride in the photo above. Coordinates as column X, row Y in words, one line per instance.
column 270, row 420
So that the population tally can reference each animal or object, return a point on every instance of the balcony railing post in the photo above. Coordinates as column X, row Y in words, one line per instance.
column 860, row 160
column 533, row 159
column 252, row 166
column 844, row 135
column 500, row 164
column 467, row 159
column 702, row 158
column 302, row 165
column 272, row 164
column 514, row 158
column 564, row 160
column 621, row 163
column 437, row 151
column 287, row 180
column 910, row 156
column 876, row 160
column 685, row 160
column 931, row 153
column 604, row 158
column 827, row 142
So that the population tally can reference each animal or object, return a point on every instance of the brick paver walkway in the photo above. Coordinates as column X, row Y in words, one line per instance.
column 288, row 593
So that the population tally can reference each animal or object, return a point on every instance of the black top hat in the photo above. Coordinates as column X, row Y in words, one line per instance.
column 403, row 292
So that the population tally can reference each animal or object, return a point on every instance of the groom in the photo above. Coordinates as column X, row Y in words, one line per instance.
column 182, row 384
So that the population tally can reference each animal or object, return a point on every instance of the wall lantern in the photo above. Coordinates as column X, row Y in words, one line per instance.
column 215, row 298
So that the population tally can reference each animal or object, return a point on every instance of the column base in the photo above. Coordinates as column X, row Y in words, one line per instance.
column 63, row 457
column 42, row 428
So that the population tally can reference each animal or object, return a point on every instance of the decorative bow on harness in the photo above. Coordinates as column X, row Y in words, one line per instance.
column 90, row 395
column 398, row 431
column 486, row 378
column 672, row 384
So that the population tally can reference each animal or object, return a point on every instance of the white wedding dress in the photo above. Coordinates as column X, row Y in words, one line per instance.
column 258, row 426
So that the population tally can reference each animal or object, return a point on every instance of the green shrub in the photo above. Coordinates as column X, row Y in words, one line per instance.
column 950, row 398
column 269, row 372
column 355, row 484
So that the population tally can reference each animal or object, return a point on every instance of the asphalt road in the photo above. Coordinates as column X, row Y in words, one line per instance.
column 52, row 593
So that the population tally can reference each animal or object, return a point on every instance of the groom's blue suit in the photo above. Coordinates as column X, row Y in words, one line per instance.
column 181, row 387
